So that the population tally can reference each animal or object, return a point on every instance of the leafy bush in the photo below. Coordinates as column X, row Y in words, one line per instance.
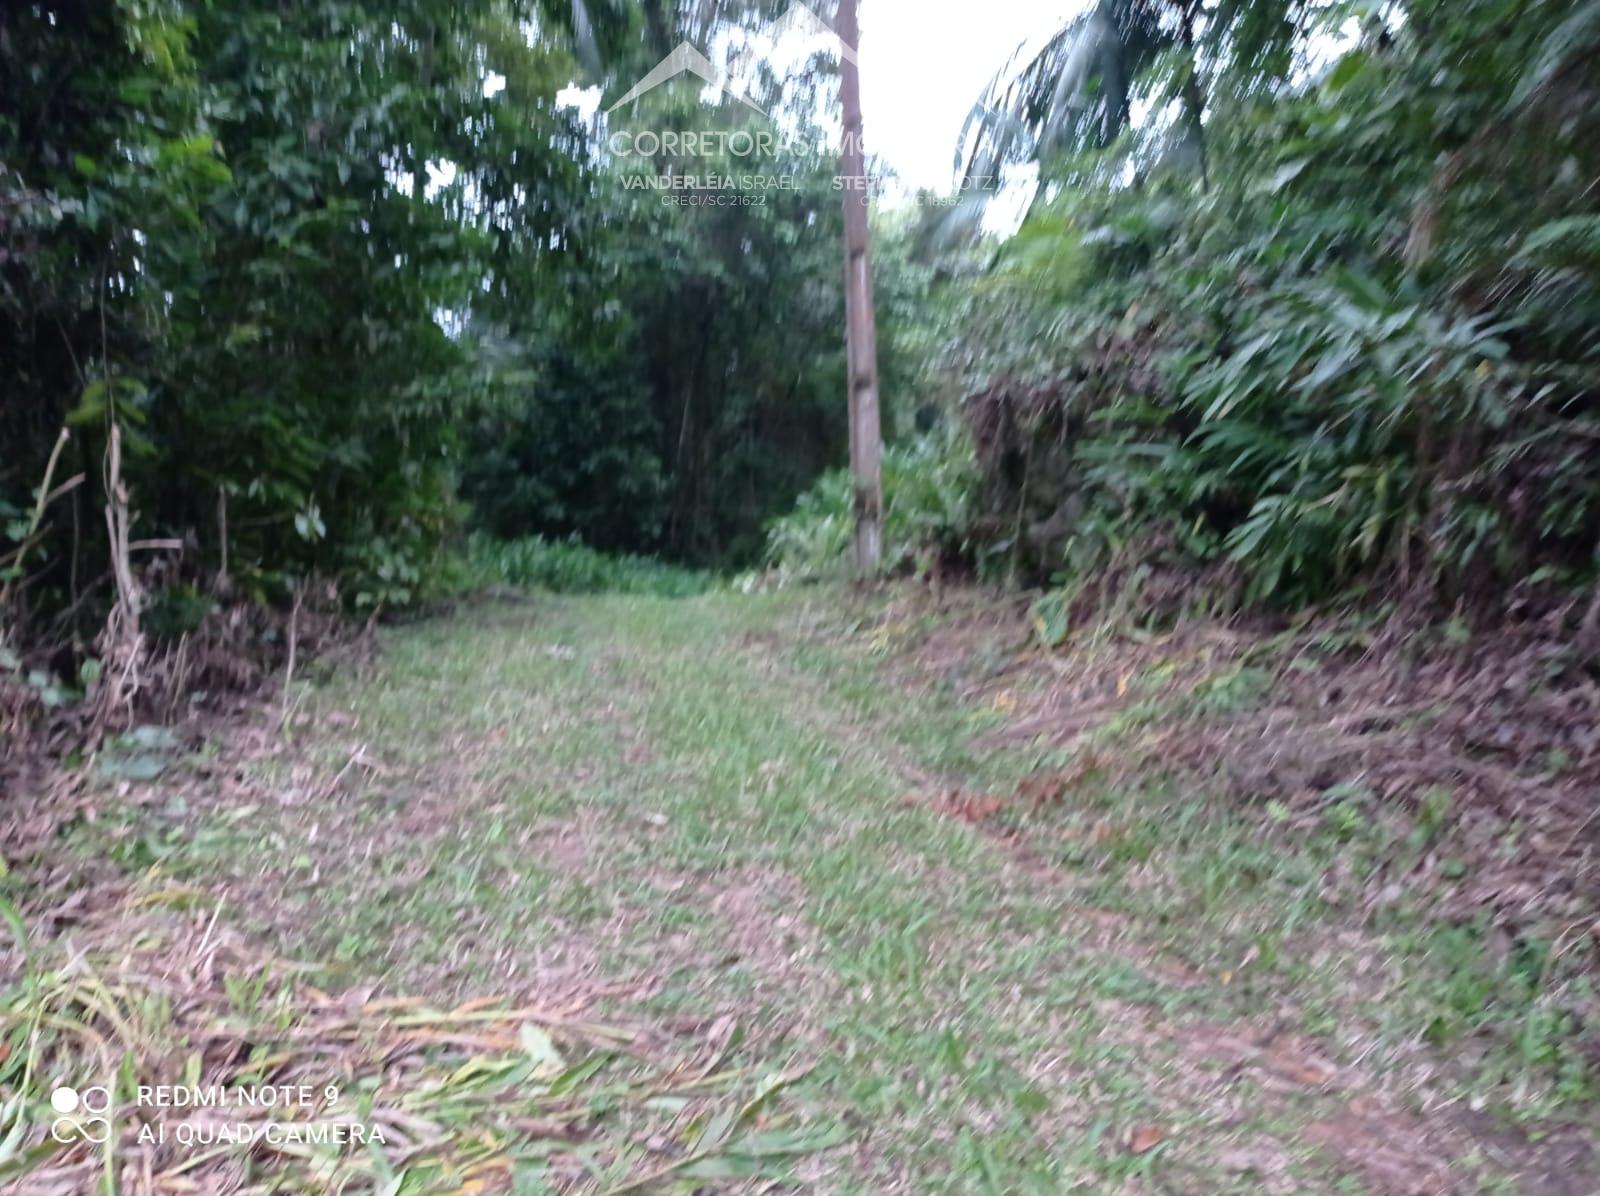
column 1333, row 361
column 571, row 567
column 928, row 491
column 1348, row 434
column 224, row 247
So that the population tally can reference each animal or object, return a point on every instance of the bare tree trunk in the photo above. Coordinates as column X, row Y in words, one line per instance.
column 1194, row 104
column 866, row 437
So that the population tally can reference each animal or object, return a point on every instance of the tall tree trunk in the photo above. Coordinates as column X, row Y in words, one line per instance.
column 861, row 327
column 1194, row 104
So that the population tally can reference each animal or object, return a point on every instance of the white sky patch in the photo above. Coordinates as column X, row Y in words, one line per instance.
column 440, row 175
column 584, row 100
column 924, row 63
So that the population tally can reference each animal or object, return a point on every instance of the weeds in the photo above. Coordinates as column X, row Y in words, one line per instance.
column 1278, row 808
column 928, row 490
column 569, row 567
column 396, row 1096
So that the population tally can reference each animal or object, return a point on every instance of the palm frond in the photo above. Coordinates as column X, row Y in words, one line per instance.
column 583, row 38
column 1074, row 94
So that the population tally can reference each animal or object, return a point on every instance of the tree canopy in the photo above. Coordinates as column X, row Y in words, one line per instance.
column 1306, row 294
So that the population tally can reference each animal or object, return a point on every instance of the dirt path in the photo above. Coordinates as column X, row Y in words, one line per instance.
column 716, row 813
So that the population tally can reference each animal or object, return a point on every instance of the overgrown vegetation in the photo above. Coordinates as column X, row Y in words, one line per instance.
column 570, row 567
column 1303, row 307
column 928, row 489
column 343, row 280
column 1320, row 318
column 1251, row 849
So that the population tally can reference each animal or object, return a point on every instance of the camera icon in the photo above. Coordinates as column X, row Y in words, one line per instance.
column 84, row 1116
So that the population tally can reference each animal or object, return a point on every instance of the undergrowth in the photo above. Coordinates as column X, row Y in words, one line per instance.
column 1260, row 898
column 571, row 567
column 929, row 487
column 163, row 1053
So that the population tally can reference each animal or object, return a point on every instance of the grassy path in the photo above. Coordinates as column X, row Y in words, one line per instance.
column 713, row 811
column 724, row 825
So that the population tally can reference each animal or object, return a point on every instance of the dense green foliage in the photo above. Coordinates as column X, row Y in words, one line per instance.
column 928, row 489
column 1352, row 341
column 1305, row 301
column 218, row 258
column 683, row 383
column 569, row 567
column 700, row 343
column 347, row 279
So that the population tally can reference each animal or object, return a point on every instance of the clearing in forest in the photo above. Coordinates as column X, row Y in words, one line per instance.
column 822, row 873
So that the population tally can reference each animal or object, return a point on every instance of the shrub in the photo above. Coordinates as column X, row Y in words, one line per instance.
column 928, row 490
column 571, row 567
column 1335, row 361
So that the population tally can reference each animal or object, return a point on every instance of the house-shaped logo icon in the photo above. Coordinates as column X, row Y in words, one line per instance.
column 799, row 22
column 685, row 60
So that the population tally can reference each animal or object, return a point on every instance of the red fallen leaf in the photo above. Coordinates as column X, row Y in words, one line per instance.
column 980, row 809
column 1042, row 790
column 1301, row 1069
column 1145, row 1138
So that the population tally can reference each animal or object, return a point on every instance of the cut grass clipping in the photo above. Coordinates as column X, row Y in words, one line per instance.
column 370, row 1096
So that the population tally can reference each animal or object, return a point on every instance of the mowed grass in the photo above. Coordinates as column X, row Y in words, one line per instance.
column 715, row 809
column 931, row 992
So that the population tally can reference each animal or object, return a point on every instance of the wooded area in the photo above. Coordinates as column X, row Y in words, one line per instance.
column 1304, row 296
column 1275, row 420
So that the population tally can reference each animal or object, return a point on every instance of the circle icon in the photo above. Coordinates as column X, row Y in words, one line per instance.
column 95, row 1128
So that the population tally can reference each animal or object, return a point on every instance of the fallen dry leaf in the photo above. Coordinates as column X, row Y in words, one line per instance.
column 978, row 809
column 1311, row 1072
column 1145, row 1138
column 1041, row 791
